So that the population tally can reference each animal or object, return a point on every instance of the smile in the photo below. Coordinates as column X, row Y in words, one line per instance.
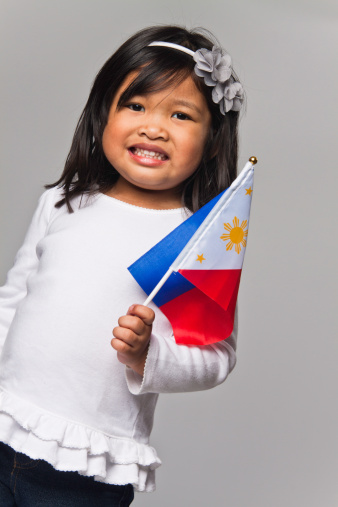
column 156, row 155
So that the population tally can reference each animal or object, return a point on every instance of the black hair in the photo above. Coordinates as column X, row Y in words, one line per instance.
column 87, row 170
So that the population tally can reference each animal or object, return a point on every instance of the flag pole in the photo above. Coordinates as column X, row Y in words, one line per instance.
column 252, row 161
column 158, row 286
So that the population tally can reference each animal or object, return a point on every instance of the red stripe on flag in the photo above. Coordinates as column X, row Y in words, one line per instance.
column 197, row 320
column 218, row 284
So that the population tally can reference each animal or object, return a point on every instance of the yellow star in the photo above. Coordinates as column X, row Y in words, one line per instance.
column 200, row 258
column 248, row 191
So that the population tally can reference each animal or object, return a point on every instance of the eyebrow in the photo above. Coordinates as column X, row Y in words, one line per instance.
column 191, row 105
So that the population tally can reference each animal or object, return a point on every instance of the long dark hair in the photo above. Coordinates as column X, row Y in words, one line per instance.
column 88, row 171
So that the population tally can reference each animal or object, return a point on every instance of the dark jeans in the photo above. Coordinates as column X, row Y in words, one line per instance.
column 25, row 482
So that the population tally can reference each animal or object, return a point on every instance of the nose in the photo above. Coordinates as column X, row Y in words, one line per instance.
column 152, row 127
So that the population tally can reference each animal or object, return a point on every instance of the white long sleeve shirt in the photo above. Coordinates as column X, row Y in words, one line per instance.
column 64, row 396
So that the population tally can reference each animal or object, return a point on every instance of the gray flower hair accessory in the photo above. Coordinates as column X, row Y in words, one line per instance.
column 212, row 66
column 216, row 69
column 228, row 95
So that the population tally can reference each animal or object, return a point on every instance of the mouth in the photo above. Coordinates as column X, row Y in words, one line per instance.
column 149, row 153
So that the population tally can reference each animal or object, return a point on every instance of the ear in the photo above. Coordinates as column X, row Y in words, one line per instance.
column 214, row 145
column 211, row 145
column 214, row 152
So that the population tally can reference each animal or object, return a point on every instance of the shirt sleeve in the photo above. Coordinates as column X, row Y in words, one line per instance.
column 26, row 262
column 172, row 368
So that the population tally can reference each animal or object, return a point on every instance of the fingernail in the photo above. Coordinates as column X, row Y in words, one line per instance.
column 131, row 308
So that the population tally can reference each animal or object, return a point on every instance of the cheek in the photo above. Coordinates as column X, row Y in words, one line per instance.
column 105, row 138
column 194, row 150
column 109, row 141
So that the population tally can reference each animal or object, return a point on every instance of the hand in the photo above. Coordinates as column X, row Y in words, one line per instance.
column 132, row 337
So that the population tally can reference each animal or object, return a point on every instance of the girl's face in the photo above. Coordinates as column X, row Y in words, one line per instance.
column 156, row 141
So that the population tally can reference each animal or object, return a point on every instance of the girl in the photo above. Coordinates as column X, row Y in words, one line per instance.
column 157, row 139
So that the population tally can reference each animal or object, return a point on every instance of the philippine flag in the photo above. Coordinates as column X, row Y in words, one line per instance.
column 193, row 274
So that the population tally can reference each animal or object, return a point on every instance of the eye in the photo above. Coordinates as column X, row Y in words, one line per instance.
column 181, row 116
column 135, row 107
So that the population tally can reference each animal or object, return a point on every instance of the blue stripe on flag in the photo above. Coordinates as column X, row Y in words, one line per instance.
column 174, row 287
column 152, row 266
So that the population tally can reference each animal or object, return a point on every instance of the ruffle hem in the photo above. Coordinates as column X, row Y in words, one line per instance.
column 70, row 446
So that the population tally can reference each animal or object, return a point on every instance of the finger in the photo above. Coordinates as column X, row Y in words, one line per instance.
column 121, row 347
column 126, row 335
column 143, row 312
column 132, row 322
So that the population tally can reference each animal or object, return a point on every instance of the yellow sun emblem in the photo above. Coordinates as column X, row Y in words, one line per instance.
column 236, row 236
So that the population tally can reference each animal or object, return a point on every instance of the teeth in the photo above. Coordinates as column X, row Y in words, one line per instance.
column 149, row 154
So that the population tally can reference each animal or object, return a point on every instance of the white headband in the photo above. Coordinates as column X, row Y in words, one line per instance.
column 174, row 46
column 216, row 70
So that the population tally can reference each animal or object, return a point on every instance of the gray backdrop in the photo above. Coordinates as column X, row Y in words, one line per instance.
column 268, row 436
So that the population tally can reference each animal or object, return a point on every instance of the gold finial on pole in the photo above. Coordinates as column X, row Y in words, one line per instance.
column 253, row 160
